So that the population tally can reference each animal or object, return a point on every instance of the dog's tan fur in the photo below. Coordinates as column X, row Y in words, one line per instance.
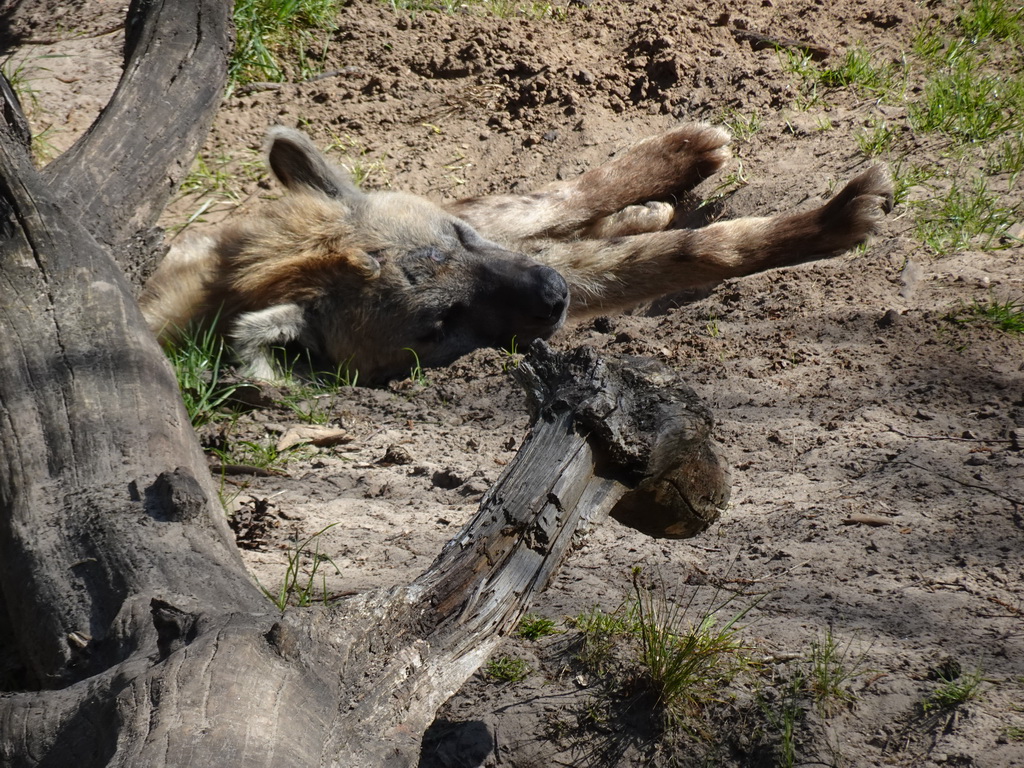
column 362, row 279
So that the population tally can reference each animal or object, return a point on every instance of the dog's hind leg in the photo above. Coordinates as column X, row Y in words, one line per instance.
column 655, row 169
column 610, row 274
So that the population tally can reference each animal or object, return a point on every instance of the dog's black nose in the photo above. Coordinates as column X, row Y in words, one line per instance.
column 551, row 295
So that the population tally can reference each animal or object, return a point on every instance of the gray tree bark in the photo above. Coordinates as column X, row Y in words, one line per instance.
column 130, row 632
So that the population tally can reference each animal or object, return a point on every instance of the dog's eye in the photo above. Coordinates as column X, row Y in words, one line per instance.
column 421, row 264
column 435, row 255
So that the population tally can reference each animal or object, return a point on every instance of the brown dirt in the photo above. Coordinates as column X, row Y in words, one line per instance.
column 841, row 391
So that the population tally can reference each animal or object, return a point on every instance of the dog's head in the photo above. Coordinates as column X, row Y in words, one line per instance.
column 386, row 278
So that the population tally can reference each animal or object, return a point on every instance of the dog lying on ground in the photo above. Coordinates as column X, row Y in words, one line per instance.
column 365, row 279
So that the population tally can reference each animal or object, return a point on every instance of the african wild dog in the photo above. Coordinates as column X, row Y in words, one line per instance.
column 359, row 279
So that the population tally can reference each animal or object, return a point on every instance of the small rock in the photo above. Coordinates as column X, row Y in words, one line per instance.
column 396, row 455
column 890, row 318
column 474, row 488
column 1017, row 439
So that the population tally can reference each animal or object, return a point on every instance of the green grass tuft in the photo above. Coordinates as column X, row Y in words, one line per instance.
column 969, row 104
column 860, row 71
column 506, row 669
column 953, row 691
column 416, row 374
column 196, row 358
column 300, row 588
column 992, row 20
column 685, row 663
column 503, row 9
column 1006, row 316
column 832, row 669
column 966, row 216
column 534, row 627
column 269, row 30
column 879, row 138
column 1008, row 156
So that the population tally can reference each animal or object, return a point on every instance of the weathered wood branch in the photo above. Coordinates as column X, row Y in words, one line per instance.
column 120, row 174
column 94, row 434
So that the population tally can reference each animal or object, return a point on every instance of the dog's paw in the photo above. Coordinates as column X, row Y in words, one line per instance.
column 855, row 213
column 689, row 153
column 633, row 220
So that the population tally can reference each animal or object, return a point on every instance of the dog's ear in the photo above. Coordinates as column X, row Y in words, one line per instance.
column 300, row 167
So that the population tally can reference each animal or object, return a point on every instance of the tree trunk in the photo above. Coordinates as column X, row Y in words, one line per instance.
column 130, row 632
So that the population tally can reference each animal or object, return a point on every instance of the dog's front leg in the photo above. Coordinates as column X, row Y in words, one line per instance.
column 254, row 335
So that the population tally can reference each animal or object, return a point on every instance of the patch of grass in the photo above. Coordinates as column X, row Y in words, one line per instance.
column 42, row 147
column 1006, row 316
column 19, row 76
column 220, row 175
column 712, row 327
column 416, row 373
column 731, row 181
column 507, row 669
column 858, row 71
column 878, row 138
column 534, row 627
column 269, row 30
column 783, row 712
column 686, row 663
column 906, row 176
column 953, row 691
column 308, row 393
column 832, row 669
column 965, row 216
column 299, row 587
column 197, row 357
column 206, row 177
column 511, row 356
column 309, row 405
column 970, row 104
column 601, row 632
column 217, row 181
column 361, row 168
column 1008, row 156
column 250, row 453
column 861, row 72
column 992, row 20
column 741, row 124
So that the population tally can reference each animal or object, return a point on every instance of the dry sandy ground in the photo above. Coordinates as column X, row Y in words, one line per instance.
column 878, row 486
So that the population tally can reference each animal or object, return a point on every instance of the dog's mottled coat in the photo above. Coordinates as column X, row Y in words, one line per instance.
column 365, row 279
